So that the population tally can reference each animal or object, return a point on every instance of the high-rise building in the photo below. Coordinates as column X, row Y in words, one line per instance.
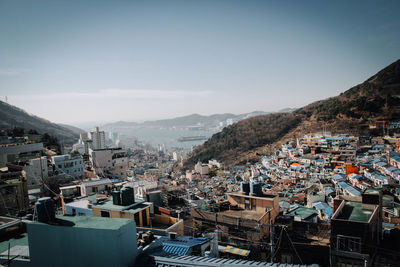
column 98, row 137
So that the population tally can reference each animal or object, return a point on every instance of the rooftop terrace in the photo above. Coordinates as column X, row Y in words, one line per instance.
column 353, row 211
column 89, row 222
column 108, row 204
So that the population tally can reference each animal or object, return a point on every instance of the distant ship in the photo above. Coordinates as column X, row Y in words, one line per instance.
column 191, row 138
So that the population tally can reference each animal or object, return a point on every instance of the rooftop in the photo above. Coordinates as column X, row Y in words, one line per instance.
column 303, row 212
column 353, row 211
column 108, row 204
column 246, row 214
column 96, row 182
column 21, row 240
column 264, row 196
column 184, row 241
column 90, row 222
column 179, row 260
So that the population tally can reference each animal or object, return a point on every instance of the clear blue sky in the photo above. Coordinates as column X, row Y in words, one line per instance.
column 77, row 61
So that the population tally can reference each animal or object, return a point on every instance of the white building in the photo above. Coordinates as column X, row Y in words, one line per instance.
column 113, row 137
column 201, row 168
column 95, row 186
column 69, row 164
column 35, row 170
column 109, row 162
column 174, row 156
column 79, row 147
column 98, row 138
column 16, row 152
column 84, row 144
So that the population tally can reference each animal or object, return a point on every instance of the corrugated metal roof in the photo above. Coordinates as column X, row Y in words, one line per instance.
column 174, row 260
column 178, row 250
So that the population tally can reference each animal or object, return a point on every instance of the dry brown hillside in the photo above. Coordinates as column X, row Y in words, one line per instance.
column 378, row 98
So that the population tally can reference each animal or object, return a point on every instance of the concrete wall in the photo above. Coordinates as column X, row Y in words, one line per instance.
column 78, row 211
column 257, row 204
column 71, row 166
column 177, row 227
column 51, row 245
column 125, row 215
column 33, row 172
column 101, row 158
column 120, row 167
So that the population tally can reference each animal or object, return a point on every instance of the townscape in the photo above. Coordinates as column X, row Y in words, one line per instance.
column 199, row 133
column 318, row 199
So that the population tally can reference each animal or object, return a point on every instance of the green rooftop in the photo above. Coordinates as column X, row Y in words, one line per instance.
column 353, row 211
column 108, row 205
column 21, row 240
column 90, row 222
column 303, row 212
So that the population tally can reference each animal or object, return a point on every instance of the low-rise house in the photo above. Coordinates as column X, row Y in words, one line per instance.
column 185, row 245
column 325, row 211
column 303, row 214
column 36, row 170
column 356, row 229
column 13, row 190
column 71, row 164
column 95, row 186
column 348, row 190
column 340, row 177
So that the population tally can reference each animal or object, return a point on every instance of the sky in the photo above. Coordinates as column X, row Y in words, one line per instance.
column 82, row 61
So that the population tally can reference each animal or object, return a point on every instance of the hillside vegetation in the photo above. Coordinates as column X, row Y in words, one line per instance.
column 11, row 116
column 246, row 135
column 378, row 98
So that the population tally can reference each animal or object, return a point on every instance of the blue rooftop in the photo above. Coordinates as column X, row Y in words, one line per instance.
column 182, row 244
column 338, row 177
column 323, row 206
column 329, row 190
column 351, row 190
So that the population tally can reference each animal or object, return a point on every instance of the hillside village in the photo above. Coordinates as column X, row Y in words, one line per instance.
column 320, row 199
column 313, row 187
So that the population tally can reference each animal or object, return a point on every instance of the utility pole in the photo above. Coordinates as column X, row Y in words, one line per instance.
column 41, row 172
column 271, row 236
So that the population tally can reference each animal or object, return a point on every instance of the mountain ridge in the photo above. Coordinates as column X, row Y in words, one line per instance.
column 187, row 120
column 352, row 111
column 12, row 116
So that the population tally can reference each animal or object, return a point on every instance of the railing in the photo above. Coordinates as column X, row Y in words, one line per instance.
column 223, row 218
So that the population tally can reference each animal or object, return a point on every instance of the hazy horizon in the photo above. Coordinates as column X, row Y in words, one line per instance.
column 78, row 62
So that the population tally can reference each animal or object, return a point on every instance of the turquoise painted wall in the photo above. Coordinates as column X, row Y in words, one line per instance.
column 79, row 246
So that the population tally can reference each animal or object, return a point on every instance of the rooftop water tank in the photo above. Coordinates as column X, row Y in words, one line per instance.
column 255, row 189
column 44, row 210
column 244, row 187
column 127, row 196
column 116, row 197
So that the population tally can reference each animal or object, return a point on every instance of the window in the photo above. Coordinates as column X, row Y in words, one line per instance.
column 349, row 243
column 247, row 204
column 105, row 213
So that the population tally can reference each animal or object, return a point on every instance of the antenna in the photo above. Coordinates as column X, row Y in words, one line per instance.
column 6, row 99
